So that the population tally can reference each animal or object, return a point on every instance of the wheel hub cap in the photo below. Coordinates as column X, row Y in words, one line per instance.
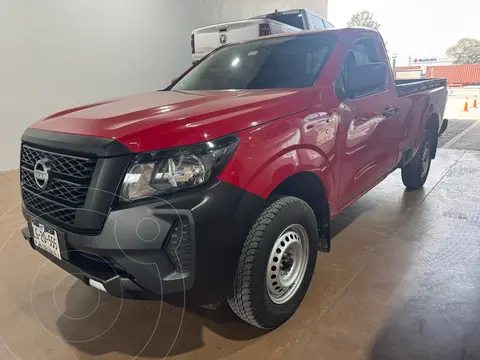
column 287, row 264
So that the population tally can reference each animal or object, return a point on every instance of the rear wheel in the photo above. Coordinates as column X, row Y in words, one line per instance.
column 415, row 173
column 276, row 264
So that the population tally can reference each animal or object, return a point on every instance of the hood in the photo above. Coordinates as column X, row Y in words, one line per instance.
column 166, row 119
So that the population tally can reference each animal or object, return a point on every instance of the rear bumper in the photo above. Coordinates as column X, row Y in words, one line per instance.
column 189, row 243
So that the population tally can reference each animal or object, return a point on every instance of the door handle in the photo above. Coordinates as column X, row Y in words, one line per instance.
column 390, row 111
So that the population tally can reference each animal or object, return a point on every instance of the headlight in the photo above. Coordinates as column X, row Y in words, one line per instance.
column 165, row 171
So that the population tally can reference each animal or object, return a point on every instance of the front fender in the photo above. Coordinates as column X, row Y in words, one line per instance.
column 272, row 172
column 288, row 164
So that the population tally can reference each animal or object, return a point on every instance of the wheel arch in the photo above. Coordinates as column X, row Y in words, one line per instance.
column 307, row 186
column 432, row 127
column 431, row 123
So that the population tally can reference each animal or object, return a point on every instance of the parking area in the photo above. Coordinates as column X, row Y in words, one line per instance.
column 456, row 102
column 403, row 278
column 463, row 131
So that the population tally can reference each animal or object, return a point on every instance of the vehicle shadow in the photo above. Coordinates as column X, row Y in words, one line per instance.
column 370, row 202
column 149, row 328
column 348, row 215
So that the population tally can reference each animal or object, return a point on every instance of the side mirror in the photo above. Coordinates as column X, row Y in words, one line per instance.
column 363, row 78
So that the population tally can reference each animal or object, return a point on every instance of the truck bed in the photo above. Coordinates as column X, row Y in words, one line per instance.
column 411, row 86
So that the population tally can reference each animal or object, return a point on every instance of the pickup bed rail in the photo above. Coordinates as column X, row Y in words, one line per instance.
column 407, row 87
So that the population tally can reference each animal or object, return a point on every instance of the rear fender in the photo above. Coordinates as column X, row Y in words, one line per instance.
column 432, row 110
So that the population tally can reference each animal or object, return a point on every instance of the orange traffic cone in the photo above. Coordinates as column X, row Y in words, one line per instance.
column 475, row 102
column 465, row 106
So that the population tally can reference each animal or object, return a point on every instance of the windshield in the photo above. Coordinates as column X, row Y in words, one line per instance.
column 285, row 62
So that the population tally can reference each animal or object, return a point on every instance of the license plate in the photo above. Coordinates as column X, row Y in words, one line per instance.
column 46, row 239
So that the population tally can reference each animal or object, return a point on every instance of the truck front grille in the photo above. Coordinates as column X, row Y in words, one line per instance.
column 43, row 206
column 66, row 165
column 72, row 193
column 67, row 186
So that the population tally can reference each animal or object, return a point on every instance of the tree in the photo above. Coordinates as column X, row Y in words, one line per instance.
column 364, row 19
column 465, row 51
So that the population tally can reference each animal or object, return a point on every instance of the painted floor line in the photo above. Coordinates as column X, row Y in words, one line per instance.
column 452, row 141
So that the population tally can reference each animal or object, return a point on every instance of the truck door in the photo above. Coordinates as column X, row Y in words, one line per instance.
column 366, row 150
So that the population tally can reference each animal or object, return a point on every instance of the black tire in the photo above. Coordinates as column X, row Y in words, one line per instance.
column 250, row 300
column 415, row 173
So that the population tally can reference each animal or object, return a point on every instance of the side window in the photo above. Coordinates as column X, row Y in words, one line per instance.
column 328, row 25
column 362, row 52
column 317, row 22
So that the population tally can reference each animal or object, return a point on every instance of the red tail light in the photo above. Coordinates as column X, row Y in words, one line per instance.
column 192, row 43
column 265, row 30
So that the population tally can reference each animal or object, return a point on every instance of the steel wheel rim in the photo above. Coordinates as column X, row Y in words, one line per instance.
column 287, row 264
column 425, row 161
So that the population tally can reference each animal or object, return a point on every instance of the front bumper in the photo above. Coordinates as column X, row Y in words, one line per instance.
column 187, row 244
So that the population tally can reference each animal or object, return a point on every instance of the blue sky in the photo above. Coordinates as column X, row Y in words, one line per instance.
column 417, row 28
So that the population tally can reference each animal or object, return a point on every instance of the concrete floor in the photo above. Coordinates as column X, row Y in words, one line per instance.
column 456, row 102
column 455, row 128
column 402, row 282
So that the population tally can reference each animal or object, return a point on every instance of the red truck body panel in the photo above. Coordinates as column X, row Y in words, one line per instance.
column 350, row 145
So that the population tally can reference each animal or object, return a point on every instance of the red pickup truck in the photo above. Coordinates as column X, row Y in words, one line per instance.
column 223, row 185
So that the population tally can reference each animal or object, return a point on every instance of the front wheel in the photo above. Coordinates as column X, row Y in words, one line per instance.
column 415, row 173
column 276, row 264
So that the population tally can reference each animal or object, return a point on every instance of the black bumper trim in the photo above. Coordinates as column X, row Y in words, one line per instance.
column 113, row 282
column 143, row 266
column 219, row 218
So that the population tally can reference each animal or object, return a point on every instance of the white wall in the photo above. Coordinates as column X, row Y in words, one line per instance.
column 56, row 54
